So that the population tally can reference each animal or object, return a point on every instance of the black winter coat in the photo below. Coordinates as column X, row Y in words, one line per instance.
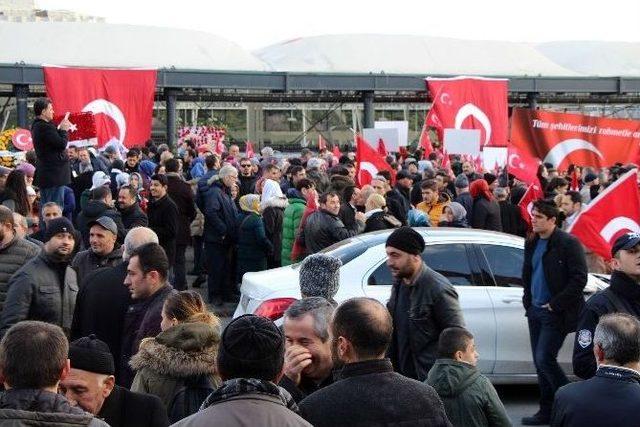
column 124, row 408
column 565, row 270
column 219, row 213
column 101, row 306
column 272, row 218
column 511, row 219
column 323, row 229
column 380, row 221
column 41, row 290
column 12, row 257
column 86, row 262
column 466, row 200
column 622, row 296
column 611, row 398
column 433, row 307
column 368, row 394
column 247, row 184
column 133, row 216
column 163, row 219
column 52, row 162
column 141, row 321
column 182, row 195
column 486, row 214
column 94, row 210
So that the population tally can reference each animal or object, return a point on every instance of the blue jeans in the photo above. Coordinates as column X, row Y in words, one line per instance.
column 547, row 336
column 51, row 194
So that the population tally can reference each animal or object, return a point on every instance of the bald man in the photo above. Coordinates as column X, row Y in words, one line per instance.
column 368, row 390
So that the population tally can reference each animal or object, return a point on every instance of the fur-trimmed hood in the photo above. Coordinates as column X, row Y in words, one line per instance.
column 184, row 350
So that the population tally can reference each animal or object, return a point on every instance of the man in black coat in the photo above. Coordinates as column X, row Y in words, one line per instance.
column 622, row 296
column 398, row 199
column 103, row 300
column 324, row 227
column 50, row 144
column 612, row 397
column 101, row 204
column 367, row 391
column 132, row 214
column 423, row 303
column 91, row 385
column 554, row 274
column 147, row 281
column 163, row 216
column 182, row 195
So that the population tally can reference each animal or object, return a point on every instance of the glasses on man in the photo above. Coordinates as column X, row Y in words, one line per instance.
column 245, row 166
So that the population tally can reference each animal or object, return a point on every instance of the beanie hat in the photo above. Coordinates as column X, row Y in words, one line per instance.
column 320, row 276
column 462, row 181
column 58, row 225
column 252, row 347
column 407, row 240
column 590, row 177
column 92, row 355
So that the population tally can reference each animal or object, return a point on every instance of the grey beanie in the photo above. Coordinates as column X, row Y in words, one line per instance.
column 462, row 181
column 320, row 276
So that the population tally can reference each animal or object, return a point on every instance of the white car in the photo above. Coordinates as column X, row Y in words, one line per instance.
column 485, row 268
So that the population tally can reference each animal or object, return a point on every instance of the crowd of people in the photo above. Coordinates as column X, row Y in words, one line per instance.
column 100, row 325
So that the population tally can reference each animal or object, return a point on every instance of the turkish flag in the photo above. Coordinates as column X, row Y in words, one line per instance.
column 322, row 144
column 562, row 139
column 336, row 151
column 522, row 165
column 369, row 161
column 470, row 103
column 533, row 193
column 121, row 100
column 613, row 212
column 425, row 141
column 382, row 150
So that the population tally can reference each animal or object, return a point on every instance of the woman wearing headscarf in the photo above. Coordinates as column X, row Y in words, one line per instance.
column 454, row 215
column 253, row 244
column 486, row 210
column 377, row 217
column 272, row 206
column 147, row 168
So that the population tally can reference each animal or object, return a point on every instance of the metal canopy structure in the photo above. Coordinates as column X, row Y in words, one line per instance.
column 267, row 86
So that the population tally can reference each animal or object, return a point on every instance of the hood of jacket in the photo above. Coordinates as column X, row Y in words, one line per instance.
column 95, row 208
column 184, row 350
column 450, row 378
column 34, row 400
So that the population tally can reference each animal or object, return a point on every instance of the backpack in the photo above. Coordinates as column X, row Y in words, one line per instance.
column 188, row 397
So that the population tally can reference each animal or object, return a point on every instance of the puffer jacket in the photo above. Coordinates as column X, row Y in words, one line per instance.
column 468, row 396
column 39, row 408
column 183, row 351
column 290, row 225
column 87, row 261
column 435, row 210
column 323, row 229
column 253, row 245
column 35, row 293
column 12, row 257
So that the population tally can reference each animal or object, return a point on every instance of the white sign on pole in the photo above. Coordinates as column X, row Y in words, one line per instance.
column 403, row 131
column 462, row 141
column 389, row 136
column 494, row 155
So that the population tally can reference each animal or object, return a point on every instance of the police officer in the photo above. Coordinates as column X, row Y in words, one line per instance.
column 623, row 295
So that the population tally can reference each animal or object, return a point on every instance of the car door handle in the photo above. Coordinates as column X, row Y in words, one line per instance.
column 510, row 300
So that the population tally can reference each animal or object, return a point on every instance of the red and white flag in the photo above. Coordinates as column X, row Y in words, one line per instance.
column 121, row 100
column 369, row 161
column 322, row 144
column 336, row 151
column 613, row 212
column 533, row 193
column 82, row 132
column 470, row 103
column 522, row 165
column 425, row 141
column 248, row 150
column 382, row 149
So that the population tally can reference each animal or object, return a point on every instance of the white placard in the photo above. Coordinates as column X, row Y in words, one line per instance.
column 493, row 155
column 403, row 131
column 389, row 136
column 462, row 141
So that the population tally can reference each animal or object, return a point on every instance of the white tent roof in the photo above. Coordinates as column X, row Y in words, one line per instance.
column 593, row 58
column 409, row 54
column 110, row 45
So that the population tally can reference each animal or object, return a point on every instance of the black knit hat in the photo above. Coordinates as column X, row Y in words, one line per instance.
column 251, row 347
column 407, row 240
column 92, row 355
column 58, row 225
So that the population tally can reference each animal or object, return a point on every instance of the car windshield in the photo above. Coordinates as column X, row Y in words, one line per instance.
column 345, row 250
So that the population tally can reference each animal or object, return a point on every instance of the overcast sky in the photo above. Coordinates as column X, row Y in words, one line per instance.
column 255, row 24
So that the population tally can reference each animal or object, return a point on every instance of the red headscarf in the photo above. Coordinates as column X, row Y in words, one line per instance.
column 480, row 187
